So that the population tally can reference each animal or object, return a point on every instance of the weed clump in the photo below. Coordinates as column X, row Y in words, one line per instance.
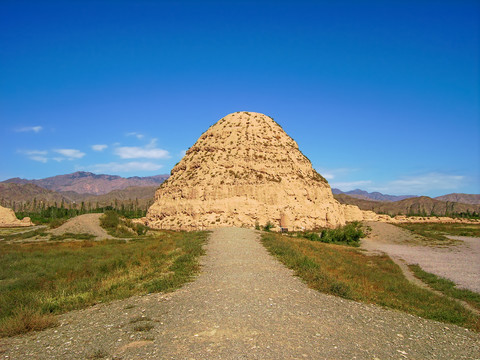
column 24, row 319
column 268, row 226
column 143, row 327
column 98, row 354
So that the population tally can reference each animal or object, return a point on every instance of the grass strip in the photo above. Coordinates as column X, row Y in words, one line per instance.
column 446, row 287
column 437, row 231
column 76, row 236
column 25, row 234
column 347, row 272
column 38, row 280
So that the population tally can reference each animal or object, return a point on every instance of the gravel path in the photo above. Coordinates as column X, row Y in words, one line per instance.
column 459, row 262
column 244, row 305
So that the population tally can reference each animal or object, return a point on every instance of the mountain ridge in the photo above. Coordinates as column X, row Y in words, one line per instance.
column 421, row 205
column 460, row 197
column 82, row 182
column 375, row 195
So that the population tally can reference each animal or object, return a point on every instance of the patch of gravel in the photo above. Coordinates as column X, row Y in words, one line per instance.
column 458, row 262
column 243, row 305
column 87, row 223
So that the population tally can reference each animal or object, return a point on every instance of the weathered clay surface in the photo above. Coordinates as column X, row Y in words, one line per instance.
column 8, row 219
column 353, row 213
column 244, row 170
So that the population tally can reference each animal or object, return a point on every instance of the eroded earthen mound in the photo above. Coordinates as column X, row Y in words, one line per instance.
column 8, row 219
column 244, row 170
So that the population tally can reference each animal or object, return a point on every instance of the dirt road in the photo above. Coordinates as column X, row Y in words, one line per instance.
column 244, row 305
column 459, row 262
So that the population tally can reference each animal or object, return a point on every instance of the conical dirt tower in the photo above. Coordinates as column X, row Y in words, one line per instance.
column 244, row 171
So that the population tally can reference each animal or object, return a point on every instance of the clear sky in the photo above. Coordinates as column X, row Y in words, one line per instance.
column 379, row 95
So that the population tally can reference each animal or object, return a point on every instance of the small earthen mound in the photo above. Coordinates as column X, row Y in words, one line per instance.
column 83, row 224
column 8, row 219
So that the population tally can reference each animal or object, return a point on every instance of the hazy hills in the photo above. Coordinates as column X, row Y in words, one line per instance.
column 421, row 205
column 376, row 196
column 82, row 182
column 81, row 187
column 27, row 192
column 461, row 198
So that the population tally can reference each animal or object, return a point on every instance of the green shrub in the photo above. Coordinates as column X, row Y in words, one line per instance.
column 110, row 220
column 349, row 234
column 56, row 223
column 121, row 227
column 140, row 229
column 268, row 226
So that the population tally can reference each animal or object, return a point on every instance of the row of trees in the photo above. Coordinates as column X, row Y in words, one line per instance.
column 84, row 206
column 53, row 213
column 39, row 212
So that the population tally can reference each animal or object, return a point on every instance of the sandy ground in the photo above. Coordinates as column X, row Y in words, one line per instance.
column 459, row 262
column 88, row 223
column 243, row 305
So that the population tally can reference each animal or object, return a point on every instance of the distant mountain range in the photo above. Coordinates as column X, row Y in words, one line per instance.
column 21, row 193
column 420, row 205
column 82, row 182
column 376, row 196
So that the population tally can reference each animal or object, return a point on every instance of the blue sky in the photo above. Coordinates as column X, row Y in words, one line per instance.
column 379, row 95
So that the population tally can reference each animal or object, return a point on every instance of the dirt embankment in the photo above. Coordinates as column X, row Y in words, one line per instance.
column 88, row 223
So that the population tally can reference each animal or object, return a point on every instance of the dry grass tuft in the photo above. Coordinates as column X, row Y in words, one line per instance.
column 24, row 320
column 143, row 327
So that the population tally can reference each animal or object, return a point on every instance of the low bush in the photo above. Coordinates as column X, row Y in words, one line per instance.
column 268, row 226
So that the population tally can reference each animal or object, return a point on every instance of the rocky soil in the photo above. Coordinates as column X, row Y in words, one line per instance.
column 243, row 305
